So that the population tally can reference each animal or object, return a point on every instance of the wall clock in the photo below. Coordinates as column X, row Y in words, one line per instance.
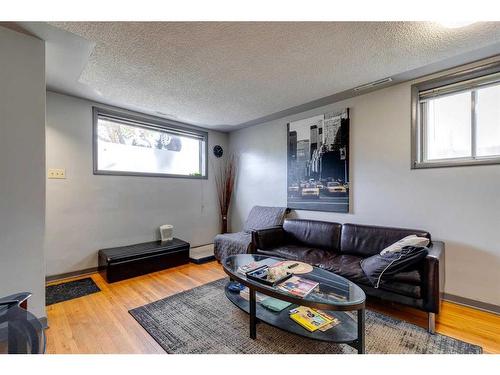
column 218, row 151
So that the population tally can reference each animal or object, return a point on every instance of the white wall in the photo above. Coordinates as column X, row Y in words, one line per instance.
column 22, row 167
column 88, row 212
column 460, row 206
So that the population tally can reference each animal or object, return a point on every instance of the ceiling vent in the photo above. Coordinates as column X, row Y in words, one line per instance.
column 380, row 82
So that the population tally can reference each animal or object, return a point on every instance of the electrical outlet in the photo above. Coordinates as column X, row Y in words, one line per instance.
column 58, row 173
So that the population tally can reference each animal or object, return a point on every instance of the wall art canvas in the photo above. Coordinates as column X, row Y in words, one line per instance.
column 318, row 163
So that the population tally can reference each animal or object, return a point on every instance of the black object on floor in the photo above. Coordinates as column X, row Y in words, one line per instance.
column 72, row 289
column 124, row 262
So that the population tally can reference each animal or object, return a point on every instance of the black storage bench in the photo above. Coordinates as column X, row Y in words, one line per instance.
column 124, row 262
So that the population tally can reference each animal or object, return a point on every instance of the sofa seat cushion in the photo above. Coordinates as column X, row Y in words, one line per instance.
column 404, row 289
column 347, row 266
column 410, row 277
column 304, row 254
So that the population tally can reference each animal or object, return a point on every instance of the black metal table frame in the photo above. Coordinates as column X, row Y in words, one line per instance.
column 253, row 287
column 23, row 336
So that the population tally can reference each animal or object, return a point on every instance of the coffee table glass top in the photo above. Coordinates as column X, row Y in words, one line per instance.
column 333, row 290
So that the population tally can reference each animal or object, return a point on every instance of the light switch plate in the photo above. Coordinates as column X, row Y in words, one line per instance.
column 57, row 173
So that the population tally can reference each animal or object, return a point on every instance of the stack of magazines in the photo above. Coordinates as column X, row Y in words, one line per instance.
column 312, row 319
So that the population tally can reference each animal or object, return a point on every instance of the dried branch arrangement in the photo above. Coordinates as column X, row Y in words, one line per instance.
column 224, row 181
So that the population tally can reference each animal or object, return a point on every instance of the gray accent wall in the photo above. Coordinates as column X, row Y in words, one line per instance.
column 87, row 212
column 22, row 167
column 459, row 206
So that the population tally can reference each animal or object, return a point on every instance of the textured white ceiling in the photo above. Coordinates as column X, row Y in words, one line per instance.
column 217, row 73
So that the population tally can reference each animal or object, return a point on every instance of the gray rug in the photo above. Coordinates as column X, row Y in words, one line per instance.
column 72, row 289
column 203, row 320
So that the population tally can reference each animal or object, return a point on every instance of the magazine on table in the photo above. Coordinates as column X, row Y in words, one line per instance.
column 312, row 319
column 298, row 286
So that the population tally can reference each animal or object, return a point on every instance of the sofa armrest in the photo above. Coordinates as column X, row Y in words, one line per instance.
column 268, row 238
column 433, row 277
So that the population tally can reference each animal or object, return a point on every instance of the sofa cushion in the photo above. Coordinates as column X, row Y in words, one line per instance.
column 368, row 240
column 345, row 265
column 304, row 254
column 409, row 290
column 380, row 268
column 318, row 234
column 411, row 240
column 409, row 277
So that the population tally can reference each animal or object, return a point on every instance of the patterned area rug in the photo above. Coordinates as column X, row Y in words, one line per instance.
column 203, row 320
column 72, row 289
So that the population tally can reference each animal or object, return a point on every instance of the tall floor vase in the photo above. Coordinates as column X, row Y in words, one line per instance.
column 223, row 227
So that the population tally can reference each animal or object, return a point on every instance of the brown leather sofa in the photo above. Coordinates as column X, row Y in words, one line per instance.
column 340, row 248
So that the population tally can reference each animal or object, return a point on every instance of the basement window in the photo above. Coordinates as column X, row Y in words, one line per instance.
column 127, row 144
column 456, row 119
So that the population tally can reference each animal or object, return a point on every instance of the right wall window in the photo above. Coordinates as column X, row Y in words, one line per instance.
column 456, row 120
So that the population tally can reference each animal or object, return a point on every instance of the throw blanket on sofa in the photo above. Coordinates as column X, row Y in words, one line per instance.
column 231, row 244
column 260, row 217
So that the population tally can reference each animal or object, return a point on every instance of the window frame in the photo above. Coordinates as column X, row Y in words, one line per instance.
column 418, row 143
column 148, row 122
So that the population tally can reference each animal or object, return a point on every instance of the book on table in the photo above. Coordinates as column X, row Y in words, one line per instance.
column 274, row 304
column 298, row 286
column 312, row 319
column 269, row 303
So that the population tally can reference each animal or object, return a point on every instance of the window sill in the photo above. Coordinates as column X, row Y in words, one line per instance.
column 454, row 163
column 141, row 174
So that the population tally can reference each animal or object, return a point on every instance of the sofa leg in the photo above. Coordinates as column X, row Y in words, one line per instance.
column 431, row 323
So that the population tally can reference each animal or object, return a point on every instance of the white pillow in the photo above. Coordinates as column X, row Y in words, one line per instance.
column 411, row 240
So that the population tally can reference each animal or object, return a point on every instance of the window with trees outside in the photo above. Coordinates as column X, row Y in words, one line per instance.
column 456, row 120
column 126, row 144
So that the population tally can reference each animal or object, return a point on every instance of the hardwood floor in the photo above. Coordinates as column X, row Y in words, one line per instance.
column 100, row 322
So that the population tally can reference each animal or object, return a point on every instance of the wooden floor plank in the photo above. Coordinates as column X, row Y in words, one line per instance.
column 100, row 322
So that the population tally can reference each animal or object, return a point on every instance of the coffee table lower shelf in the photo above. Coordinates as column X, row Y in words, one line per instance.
column 346, row 332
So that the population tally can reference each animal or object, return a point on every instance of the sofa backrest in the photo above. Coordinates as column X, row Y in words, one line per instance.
column 312, row 233
column 368, row 240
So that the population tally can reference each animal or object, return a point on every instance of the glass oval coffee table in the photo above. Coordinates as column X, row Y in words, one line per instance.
column 334, row 294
